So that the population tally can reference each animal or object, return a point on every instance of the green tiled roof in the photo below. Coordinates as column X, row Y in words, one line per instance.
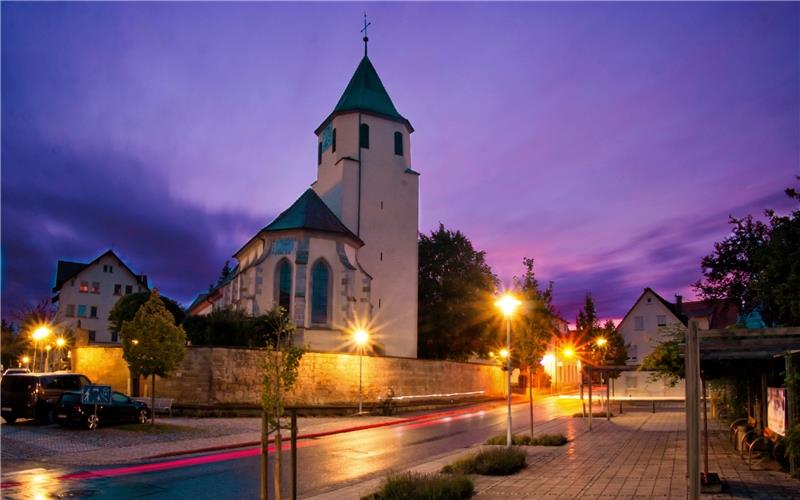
column 366, row 92
column 309, row 212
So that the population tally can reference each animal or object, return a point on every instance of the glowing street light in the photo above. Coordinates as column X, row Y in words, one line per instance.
column 135, row 342
column 61, row 342
column 38, row 334
column 569, row 352
column 601, row 341
column 504, row 353
column 361, row 338
column 25, row 360
column 507, row 305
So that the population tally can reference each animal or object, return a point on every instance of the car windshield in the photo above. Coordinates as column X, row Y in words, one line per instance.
column 18, row 383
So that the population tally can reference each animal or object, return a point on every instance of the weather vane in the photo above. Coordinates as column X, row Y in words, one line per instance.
column 364, row 30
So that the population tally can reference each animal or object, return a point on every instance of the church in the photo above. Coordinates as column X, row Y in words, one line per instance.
column 344, row 255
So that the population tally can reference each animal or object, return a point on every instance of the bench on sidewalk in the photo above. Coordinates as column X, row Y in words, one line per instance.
column 161, row 405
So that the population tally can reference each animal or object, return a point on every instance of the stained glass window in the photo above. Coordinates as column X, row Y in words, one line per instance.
column 285, row 285
column 320, row 278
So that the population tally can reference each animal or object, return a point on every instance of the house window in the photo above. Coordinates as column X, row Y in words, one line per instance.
column 70, row 310
column 84, row 287
column 631, row 382
column 117, row 289
column 319, row 153
column 284, row 282
column 111, row 269
column 661, row 320
column 320, row 281
column 363, row 136
column 92, row 335
column 95, row 287
column 114, row 337
column 333, row 141
column 649, row 300
column 93, row 312
column 128, row 289
column 398, row 144
column 633, row 352
column 81, row 311
column 638, row 323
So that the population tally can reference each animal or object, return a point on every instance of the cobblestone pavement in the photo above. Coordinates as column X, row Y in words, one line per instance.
column 28, row 442
column 636, row 455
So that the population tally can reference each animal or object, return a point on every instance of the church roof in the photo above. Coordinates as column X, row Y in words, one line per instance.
column 366, row 92
column 309, row 212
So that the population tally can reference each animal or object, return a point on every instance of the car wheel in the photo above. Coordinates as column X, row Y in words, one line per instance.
column 92, row 421
column 9, row 417
column 142, row 416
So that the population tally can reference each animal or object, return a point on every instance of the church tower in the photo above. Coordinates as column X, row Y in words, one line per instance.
column 365, row 177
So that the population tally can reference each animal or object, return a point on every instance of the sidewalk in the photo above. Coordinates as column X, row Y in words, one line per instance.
column 637, row 455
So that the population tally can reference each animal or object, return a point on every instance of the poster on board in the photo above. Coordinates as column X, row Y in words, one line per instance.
column 776, row 410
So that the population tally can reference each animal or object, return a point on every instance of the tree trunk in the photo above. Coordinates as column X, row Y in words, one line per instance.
column 153, row 401
column 264, row 455
column 530, row 396
column 278, row 475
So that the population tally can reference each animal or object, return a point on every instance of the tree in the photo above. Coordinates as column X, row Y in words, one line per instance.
column 231, row 328
column 614, row 351
column 126, row 307
column 152, row 343
column 666, row 361
column 587, row 323
column 535, row 326
column 13, row 345
column 456, row 288
column 226, row 270
column 281, row 365
column 757, row 267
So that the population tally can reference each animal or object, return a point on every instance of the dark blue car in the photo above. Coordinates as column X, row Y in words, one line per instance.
column 70, row 411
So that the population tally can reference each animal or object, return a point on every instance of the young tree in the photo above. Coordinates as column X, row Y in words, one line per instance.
column 13, row 345
column 126, row 307
column 587, row 322
column 152, row 343
column 535, row 326
column 456, row 288
column 226, row 270
column 613, row 351
column 281, row 365
column 666, row 361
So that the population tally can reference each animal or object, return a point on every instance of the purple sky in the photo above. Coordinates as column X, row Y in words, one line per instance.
column 608, row 141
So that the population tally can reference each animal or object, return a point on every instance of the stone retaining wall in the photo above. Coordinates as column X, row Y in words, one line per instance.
column 217, row 375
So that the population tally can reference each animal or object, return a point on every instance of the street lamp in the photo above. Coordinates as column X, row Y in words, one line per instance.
column 507, row 305
column 360, row 337
column 39, row 334
column 25, row 360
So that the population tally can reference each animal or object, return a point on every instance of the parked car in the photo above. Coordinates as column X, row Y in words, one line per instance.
column 12, row 371
column 34, row 395
column 70, row 411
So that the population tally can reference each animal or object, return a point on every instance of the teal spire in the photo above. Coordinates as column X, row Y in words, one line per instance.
column 366, row 93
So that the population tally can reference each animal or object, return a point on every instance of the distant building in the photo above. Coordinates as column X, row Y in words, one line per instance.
column 645, row 324
column 346, row 251
column 85, row 293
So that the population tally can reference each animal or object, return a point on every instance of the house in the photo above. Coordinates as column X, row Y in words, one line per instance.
column 86, row 293
column 344, row 254
column 649, row 322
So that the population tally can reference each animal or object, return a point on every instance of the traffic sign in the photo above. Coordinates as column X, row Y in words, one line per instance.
column 96, row 394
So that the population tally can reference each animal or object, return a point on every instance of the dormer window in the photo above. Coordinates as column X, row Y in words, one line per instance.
column 363, row 136
column 398, row 143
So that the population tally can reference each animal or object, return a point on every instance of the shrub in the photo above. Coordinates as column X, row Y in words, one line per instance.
column 526, row 440
column 489, row 462
column 415, row 486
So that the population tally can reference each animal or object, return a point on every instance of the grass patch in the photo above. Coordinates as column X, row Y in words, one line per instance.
column 157, row 428
column 416, row 486
column 489, row 462
column 597, row 414
column 526, row 440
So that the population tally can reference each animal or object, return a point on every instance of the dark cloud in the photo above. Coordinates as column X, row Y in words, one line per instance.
column 70, row 204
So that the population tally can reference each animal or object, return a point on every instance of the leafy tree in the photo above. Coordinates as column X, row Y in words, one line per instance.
column 281, row 365
column 231, row 328
column 226, row 270
column 13, row 345
column 587, row 323
column 614, row 352
column 126, row 307
column 535, row 326
column 152, row 343
column 456, row 288
column 666, row 361
column 757, row 267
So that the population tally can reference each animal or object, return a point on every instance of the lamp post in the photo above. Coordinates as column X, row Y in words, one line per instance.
column 60, row 343
column 39, row 334
column 360, row 337
column 47, row 348
column 508, row 304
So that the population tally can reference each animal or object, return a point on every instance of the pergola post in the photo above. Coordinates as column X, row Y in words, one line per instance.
column 792, row 409
column 693, row 411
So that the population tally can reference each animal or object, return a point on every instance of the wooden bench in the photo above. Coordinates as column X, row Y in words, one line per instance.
column 161, row 405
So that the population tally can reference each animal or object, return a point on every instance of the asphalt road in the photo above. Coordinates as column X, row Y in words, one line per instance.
column 324, row 463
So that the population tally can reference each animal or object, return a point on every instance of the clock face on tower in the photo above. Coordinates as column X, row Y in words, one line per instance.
column 327, row 137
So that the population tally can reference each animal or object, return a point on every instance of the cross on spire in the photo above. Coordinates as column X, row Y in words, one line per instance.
column 364, row 30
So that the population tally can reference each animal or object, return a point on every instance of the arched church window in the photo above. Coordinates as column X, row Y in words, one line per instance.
column 284, row 284
column 398, row 143
column 320, row 291
column 333, row 141
column 363, row 136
